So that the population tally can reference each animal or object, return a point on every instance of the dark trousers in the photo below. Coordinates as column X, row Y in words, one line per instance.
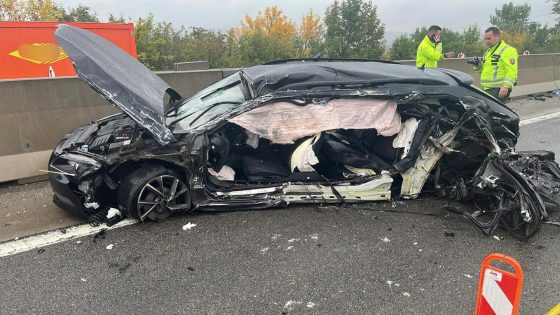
column 495, row 91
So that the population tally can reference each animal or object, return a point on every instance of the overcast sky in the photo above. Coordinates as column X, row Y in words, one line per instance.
column 398, row 15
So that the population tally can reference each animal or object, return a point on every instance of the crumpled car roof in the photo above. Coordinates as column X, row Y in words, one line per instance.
column 283, row 76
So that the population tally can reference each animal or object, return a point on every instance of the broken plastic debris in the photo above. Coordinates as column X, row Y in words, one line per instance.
column 496, row 237
column 386, row 240
column 83, row 280
column 397, row 285
column 290, row 303
column 415, row 243
column 78, row 242
column 264, row 250
column 289, row 247
column 310, row 304
column 110, row 246
column 113, row 212
column 389, row 282
column 293, row 240
column 226, row 173
column 314, row 237
column 93, row 205
column 406, row 294
column 468, row 276
column 188, row 226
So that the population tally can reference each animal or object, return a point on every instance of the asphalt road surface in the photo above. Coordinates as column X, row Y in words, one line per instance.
column 379, row 258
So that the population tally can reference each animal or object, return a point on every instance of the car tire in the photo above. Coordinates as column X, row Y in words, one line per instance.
column 153, row 193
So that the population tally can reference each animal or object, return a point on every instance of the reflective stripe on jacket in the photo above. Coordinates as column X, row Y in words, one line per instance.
column 499, row 67
column 428, row 53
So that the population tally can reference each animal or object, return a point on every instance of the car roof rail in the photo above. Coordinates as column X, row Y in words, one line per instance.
column 284, row 61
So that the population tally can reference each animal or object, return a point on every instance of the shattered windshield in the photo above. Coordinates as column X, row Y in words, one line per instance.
column 214, row 100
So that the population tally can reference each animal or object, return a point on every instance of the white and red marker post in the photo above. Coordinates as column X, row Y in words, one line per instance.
column 499, row 291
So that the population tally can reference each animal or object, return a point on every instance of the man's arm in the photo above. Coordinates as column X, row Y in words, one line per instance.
column 430, row 52
column 509, row 64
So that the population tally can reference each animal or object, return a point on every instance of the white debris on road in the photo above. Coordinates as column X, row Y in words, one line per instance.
column 468, row 276
column 289, row 247
column 188, row 226
column 113, row 212
column 78, row 242
column 386, row 240
column 406, row 294
column 315, row 237
column 389, row 282
column 289, row 304
column 264, row 250
column 110, row 246
column 496, row 237
column 293, row 240
column 310, row 304
column 83, row 280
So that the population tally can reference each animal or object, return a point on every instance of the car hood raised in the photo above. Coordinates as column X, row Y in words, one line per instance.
column 120, row 78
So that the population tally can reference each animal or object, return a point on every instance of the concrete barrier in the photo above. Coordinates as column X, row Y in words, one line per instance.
column 191, row 65
column 35, row 114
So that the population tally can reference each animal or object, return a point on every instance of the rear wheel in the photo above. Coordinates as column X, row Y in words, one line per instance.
column 153, row 193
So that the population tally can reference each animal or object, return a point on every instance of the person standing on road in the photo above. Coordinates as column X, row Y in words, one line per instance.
column 498, row 67
column 429, row 51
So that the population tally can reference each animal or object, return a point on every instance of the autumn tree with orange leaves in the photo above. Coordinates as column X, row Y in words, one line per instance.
column 30, row 10
column 309, row 39
column 265, row 37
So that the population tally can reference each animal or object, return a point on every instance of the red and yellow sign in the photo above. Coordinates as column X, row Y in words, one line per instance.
column 40, row 53
column 29, row 49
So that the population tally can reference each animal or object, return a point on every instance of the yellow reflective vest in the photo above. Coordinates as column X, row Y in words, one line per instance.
column 428, row 53
column 498, row 67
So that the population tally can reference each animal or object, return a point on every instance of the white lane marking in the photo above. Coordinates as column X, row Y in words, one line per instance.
column 538, row 119
column 54, row 237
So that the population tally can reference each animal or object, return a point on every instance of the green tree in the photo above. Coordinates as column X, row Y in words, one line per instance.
column 452, row 40
column 539, row 40
column 116, row 19
column 556, row 11
column 403, row 48
column 511, row 17
column 203, row 44
column 159, row 45
column 80, row 13
column 353, row 30
column 472, row 42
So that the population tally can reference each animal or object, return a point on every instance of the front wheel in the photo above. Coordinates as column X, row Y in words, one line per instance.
column 153, row 193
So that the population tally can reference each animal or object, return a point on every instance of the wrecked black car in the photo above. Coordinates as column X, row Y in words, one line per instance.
column 305, row 131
